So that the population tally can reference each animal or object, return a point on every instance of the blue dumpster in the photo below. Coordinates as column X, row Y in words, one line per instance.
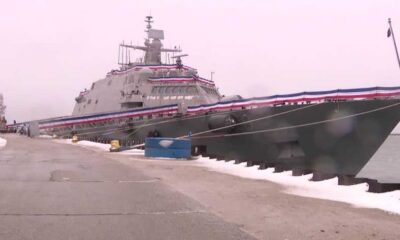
column 168, row 147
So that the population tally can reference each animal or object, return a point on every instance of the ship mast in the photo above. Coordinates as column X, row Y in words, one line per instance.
column 152, row 45
column 149, row 21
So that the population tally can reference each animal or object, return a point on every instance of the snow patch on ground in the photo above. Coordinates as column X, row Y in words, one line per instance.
column 355, row 195
column 3, row 142
column 45, row 136
column 101, row 146
column 137, row 152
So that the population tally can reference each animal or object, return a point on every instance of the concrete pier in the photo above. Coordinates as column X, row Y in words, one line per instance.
column 50, row 190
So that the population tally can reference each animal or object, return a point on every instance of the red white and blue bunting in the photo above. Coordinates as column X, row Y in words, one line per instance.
column 104, row 117
column 302, row 97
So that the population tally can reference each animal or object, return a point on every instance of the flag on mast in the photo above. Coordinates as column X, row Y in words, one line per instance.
column 389, row 33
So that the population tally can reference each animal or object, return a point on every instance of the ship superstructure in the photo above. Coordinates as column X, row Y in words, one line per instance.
column 147, row 82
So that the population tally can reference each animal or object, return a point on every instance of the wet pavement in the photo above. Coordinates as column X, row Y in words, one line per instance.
column 58, row 191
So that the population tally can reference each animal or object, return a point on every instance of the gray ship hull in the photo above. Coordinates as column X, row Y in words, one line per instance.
column 335, row 138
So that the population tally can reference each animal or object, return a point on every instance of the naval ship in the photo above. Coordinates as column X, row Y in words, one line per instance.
column 332, row 132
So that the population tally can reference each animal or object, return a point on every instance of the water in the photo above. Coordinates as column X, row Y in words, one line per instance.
column 385, row 164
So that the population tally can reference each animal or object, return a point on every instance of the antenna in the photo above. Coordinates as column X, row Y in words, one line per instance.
column 149, row 21
column 119, row 54
column 181, row 55
column 130, row 54
column 126, row 55
column 122, row 50
column 391, row 33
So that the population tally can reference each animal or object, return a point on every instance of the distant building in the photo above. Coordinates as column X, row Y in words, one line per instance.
column 3, row 121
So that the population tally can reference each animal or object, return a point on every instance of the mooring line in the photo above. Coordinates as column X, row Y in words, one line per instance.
column 300, row 125
column 241, row 123
column 250, row 121
column 274, row 129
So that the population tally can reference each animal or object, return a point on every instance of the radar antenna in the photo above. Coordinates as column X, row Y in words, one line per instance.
column 152, row 45
column 179, row 60
column 390, row 33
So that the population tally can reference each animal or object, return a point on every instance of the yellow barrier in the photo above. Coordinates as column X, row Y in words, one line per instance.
column 115, row 146
column 74, row 139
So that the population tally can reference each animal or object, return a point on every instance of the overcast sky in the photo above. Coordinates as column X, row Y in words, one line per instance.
column 51, row 50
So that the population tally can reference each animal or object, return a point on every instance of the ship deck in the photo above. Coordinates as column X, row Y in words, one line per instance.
column 52, row 190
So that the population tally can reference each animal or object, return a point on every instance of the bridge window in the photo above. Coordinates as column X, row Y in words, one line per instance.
column 175, row 90
column 182, row 90
column 192, row 90
column 155, row 90
column 205, row 89
column 161, row 90
column 168, row 90
column 209, row 90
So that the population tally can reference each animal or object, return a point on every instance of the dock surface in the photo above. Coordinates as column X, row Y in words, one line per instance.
column 50, row 190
